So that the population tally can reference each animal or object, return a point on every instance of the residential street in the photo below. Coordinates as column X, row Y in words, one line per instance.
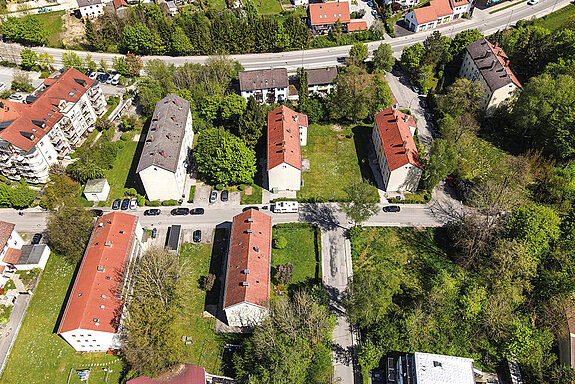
column 320, row 58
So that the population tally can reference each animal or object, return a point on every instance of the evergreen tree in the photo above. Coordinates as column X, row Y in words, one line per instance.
column 252, row 123
column 302, row 87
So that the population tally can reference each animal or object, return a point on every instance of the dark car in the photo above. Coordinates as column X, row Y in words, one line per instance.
column 197, row 236
column 97, row 212
column 391, row 208
column 180, row 211
column 248, row 208
column 197, row 211
column 154, row 233
column 125, row 204
column 152, row 212
column 225, row 195
column 36, row 239
column 116, row 204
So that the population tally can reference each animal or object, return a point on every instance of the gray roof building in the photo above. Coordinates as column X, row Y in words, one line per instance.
column 31, row 254
column 321, row 75
column 263, row 79
column 95, row 186
column 166, row 134
column 87, row 3
column 493, row 64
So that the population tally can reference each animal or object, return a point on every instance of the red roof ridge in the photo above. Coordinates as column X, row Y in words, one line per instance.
column 329, row 13
column 283, row 129
column 504, row 61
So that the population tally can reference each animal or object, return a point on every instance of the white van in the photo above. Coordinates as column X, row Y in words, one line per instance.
column 116, row 79
column 286, row 207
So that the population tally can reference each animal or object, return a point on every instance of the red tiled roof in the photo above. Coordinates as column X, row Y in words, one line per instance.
column 357, row 26
column 398, row 144
column 12, row 256
column 120, row 3
column 2, row 269
column 458, row 3
column 250, row 250
column 187, row 374
column 425, row 14
column 108, row 249
column 44, row 111
column 329, row 13
column 504, row 61
column 283, row 137
column 442, row 7
column 5, row 232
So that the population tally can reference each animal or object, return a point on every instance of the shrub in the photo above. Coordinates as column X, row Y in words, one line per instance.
column 126, row 136
column 219, row 187
column 155, row 203
column 141, row 200
column 280, row 242
column 170, row 202
column 284, row 273
column 207, row 282
column 120, row 144
column 130, row 192
column 241, row 187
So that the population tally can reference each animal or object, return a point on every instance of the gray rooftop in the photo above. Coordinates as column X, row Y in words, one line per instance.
column 31, row 254
column 87, row 3
column 321, row 75
column 263, row 78
column 166, row 133
column 174, row 237
column 495, row 74
column 95, row 185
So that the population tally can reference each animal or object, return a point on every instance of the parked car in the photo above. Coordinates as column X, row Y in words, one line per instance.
column 93, row 75
column 248, row 208
column 373, row 12
column 125, row 204
column 152, row 212
column 197, row 236
column 110, row 78
column 225, row 195
column 213, row 196
column 370, row 3
column 197, row 211
column 391, row 208
column 532, row 2
column 116, row 79
column 103, row 77
column 133, row 203
column 36, row 239
column 154, row 233
column 451, row 181
column 16, row 96
column 180, row 211
column 98, row 212
column 116, row 204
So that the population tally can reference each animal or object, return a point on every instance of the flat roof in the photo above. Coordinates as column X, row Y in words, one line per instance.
column 442, row 369
column 95, row 185
column 174, row 237
column 31, row 254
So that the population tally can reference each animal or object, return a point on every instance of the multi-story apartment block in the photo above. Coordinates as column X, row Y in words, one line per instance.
column 489, row 65
column 164, row 159
column 266, row 85
column 94, row 309
column 36, row 135
column 321, row 80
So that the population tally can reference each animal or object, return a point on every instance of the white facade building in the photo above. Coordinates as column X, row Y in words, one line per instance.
column 90, row 8
column 94, row 309
column 96, row 190
column 435, row 13
column 397, row 155
column 267, row 86
column 287, row 132
column 247, row 290
column 321, row 80
column 489, row 65
column 164, row 160
column 35, row 136
column 429, row 368
column 299, row 3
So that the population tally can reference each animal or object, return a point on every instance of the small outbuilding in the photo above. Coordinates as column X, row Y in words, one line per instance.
column 97, row 190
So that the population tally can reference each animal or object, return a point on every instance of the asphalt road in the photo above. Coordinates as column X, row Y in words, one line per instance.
column 319, row 58
column 10, row 332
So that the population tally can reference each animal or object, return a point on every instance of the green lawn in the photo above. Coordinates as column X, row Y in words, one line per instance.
column 302, row 250
column 267, row 7
column 118, row 175
column 217, row 5
column 556, row 19
column 112, row 103
column 41, row 356
column 254, row 198
column 206, row 348
column 336, row 159
column 53, row 23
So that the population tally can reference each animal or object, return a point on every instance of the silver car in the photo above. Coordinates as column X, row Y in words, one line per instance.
column 213, row 196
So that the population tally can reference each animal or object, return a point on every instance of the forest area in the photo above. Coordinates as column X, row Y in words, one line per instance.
column 498, row 282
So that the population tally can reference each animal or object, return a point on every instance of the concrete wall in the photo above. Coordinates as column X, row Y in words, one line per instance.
column 404, row 179
column 245, row 315
column 284, row 177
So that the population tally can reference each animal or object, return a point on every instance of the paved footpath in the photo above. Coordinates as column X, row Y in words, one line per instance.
column 10, row 332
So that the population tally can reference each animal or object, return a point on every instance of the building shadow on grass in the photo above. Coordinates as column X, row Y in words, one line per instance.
column 218, row 261
column 362, row 141
column 133, row 180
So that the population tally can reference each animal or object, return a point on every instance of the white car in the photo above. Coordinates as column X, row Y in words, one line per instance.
column 533, row 2
column 116, row 79
column 133, row 203
column 2, row 86
column 93, row 75
column 16, row 96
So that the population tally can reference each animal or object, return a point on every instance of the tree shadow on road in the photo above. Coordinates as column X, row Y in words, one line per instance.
column 322, row 215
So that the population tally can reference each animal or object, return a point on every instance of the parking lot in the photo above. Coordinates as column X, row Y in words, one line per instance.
column 369, row 16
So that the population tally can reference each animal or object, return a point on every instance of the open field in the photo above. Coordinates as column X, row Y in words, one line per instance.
column 53, row 23
column 556, row 19
column 338, row 156
column 41, row 356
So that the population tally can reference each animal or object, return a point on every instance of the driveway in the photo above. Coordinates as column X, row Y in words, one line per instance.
column 408, row 99
column 369, row 18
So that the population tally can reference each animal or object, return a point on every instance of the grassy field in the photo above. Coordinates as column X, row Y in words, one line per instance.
column 556, row 19
column 302, row 250
column 267, row 7
column 254, row 198
column 118, row 175
column 337, row 157
column 41, row 356
column 206, row 348
column 53, row 23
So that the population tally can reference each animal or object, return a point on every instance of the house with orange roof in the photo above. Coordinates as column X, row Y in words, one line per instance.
column 247, row 289
column 323, row 16
column 93, row 313
column 435, row 13
column 488, row 64
column 36, row 135
column 399, row 162
column 287, row 132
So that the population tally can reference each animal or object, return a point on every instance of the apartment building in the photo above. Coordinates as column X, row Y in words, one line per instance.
column 164, row 159
column 321, row 80
column 267, row 86
column 94, row 309
column 435, row 13
column 36, row 135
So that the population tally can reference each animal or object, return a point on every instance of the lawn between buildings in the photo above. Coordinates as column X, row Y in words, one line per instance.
column 39, row 355
column 556, row 19
column 338, row 157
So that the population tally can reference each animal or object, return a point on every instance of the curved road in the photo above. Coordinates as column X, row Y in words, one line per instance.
column 323, row 57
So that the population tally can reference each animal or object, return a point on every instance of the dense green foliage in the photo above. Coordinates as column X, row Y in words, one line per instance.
column 16, row 196
column 27, row 30
column 69, row 229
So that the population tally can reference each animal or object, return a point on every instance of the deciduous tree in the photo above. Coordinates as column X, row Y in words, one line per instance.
column 69, row 229
column 361, row 204
column 28, row 60
column 383, row 58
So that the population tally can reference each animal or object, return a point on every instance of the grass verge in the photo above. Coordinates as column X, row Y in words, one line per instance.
column 254, row 198
column 192, row 193
column 507, row 6
column 556, row 19
column 118, row 175
column 267, row 7
column 53, row 23
column 41, row 356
